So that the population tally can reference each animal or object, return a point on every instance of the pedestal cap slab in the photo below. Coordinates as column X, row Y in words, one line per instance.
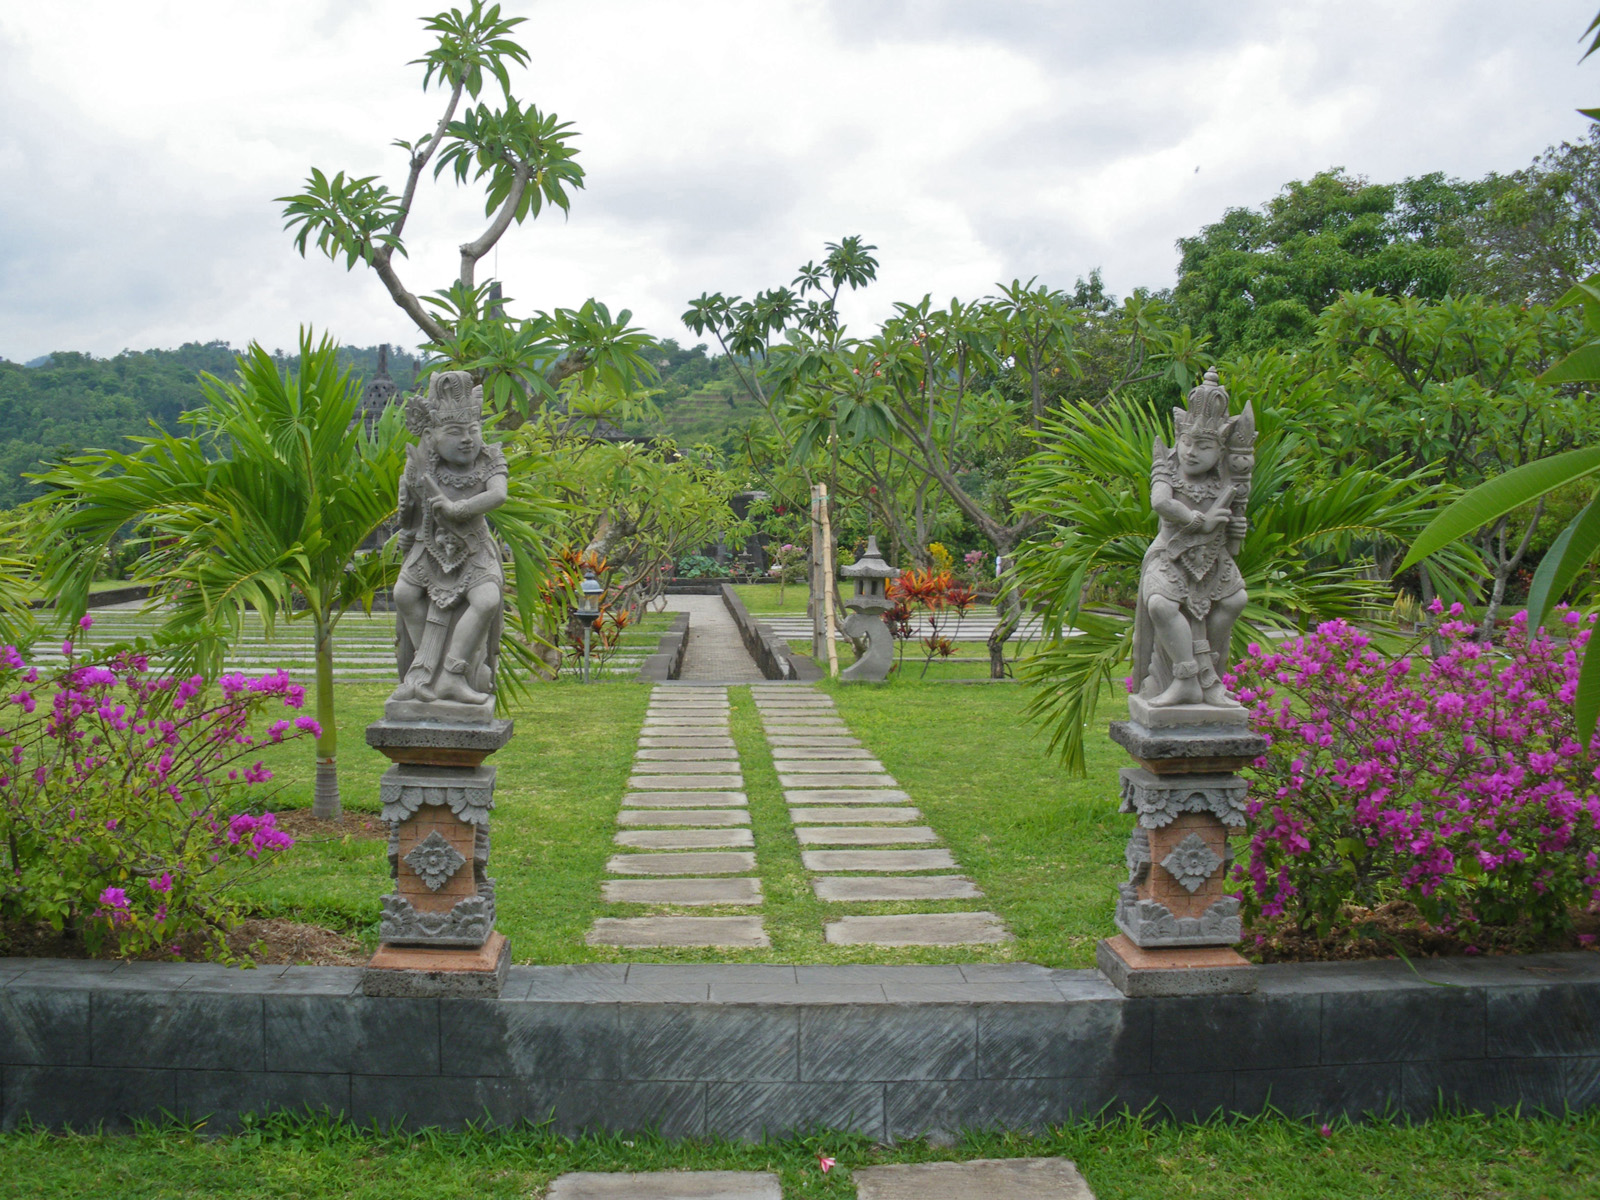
column 438, row 743
column 1191, row 750
column 1199, row 971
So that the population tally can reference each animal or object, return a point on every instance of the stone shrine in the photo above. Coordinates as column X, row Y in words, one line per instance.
column 437, row 931
column 1188, row 736
column 871, row 574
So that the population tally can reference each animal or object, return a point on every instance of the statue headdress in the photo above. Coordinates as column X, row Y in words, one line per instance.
column 451, row 397
column 1207, row 411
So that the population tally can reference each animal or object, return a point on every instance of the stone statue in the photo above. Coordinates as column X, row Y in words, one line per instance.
column 451, row 588
column 865, row 624
column 1190, row 589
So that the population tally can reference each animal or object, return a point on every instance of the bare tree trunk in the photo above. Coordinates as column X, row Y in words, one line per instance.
column 1494, row 547
column 1008, row 607
column 325, row 792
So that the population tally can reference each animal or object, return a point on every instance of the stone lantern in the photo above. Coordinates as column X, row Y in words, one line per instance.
column 867, row 606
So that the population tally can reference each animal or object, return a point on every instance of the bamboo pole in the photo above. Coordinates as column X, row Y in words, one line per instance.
column 827, row 581
column 814, row 586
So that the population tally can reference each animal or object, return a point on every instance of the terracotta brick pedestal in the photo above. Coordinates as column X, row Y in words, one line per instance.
column 438, row 924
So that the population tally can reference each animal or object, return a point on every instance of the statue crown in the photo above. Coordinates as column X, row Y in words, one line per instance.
column 451, row 397
column 1207, row 411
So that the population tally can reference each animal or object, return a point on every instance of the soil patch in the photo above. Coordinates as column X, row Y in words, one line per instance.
column 265, row 940
column 1397, row 930
column 303, row 827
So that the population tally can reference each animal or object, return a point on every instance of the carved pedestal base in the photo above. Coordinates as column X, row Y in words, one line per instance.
column 439, row 920
column 1201, row 971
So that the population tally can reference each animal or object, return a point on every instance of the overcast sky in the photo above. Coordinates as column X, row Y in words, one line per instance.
column 725, row 141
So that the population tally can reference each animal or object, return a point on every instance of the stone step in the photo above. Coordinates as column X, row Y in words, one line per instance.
column 840, row 814
column 916, row 929
column 820, row 754
column 814, row 742
column 869, row 794
column 708, row 862
column 659, row 783
column 990, row 1178
column 809, row 782
column 700, row 799
column 694, row 893
column 864, row 835
column 828, row 766
column 822, row 861
column 734, row 932
column 683, row 816
column 680, row 741
column 668, row 726
column 803, row 728
column 686, row 762
column 862, row 888
column 685, row 839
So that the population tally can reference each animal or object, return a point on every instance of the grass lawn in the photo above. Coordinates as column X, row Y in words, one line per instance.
column 1045, row 848
column 1449, row 1158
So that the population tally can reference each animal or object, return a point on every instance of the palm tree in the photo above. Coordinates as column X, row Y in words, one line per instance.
column 263, row 505
column 1314, row 536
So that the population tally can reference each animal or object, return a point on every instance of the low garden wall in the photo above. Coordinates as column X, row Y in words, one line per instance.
column 739, row 1050
column 769, row 650
column 667, row 661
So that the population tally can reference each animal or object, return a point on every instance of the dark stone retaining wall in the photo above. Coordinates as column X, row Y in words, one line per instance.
column 769, row 650
column 667, row 661
column 121, row 595
column 740, row 1049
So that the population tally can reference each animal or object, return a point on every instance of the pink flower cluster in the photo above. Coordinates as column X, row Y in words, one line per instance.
column 1456, row 781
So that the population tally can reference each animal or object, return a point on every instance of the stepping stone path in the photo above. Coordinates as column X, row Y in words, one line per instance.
column 839, row 795
column 989, row 1178
column 684, row 842
column 666, row 1185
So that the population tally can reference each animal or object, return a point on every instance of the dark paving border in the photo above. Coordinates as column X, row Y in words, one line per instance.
column 742, row 1049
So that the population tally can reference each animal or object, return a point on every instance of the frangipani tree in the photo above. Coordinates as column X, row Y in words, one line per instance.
column 526, row 163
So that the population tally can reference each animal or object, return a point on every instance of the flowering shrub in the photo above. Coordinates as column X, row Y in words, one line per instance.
column 941, row 601
column 123, row 809
column 1454, row 781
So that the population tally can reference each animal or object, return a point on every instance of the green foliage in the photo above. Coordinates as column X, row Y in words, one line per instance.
column 1258, row 278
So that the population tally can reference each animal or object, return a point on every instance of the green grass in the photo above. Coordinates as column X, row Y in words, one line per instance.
column 1045, row 848
column 1270, row 1158
column 762, row 598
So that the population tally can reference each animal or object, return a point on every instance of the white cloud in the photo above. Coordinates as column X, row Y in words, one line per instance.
column 725, row 142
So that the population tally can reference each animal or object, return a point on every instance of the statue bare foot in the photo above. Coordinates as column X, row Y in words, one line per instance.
column 1183, row 690
column 1217, row 694
column 413, row 687
column 453, row 685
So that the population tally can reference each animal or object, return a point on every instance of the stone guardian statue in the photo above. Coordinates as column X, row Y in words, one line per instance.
column 450, row 594
column 1190, row 589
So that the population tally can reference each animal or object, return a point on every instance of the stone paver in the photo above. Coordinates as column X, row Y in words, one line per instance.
column 797, row 754
column 666, row 1185
column 807, row 782
column 682, row 726
column 828, row 766
column 686, row 766
column 985, row 1178
column 709, row 862
column 802, row 728
column 662, row 782
column 836, row 814
column 739, row 932
column 876, row 860
column 917, row 929
column 684, row 816
column 815, row 742
column 864, row 835
column 717, row 760
column 686, row 799
column 692, row 893
column 686, row 741
column 856, row 888
column 686, row 839
column 868, row 795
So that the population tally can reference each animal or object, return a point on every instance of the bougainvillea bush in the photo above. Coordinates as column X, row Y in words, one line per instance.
column 1454, row 782
column 127, row 812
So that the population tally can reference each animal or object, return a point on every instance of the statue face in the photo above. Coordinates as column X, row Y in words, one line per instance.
column 1197, row 455
column 458, row 442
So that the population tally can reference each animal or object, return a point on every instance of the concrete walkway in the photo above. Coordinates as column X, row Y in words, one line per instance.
column 715, row 654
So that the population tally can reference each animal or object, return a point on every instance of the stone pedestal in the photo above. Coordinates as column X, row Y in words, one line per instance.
column 437, row 930
column 1188, row 800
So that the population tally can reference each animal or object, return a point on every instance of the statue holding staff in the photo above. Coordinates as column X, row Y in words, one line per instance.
column 451, row 588
column 1190, row 589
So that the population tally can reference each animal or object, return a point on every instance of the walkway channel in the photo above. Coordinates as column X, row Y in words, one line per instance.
column 715, row 653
